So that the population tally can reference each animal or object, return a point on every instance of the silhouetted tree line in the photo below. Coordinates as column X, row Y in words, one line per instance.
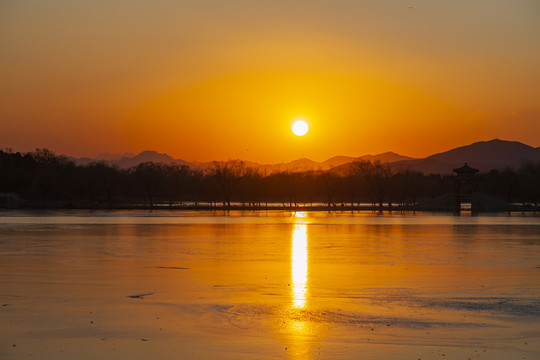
column 44, row 179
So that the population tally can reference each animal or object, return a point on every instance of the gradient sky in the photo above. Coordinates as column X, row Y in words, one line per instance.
column 216, row 80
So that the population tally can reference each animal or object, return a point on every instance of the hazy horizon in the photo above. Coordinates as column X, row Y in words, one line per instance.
column 130, row 154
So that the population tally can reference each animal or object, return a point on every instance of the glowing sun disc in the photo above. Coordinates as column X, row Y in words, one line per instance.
column 300, row 128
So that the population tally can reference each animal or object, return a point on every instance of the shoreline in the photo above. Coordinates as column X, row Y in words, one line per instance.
column 269, row 207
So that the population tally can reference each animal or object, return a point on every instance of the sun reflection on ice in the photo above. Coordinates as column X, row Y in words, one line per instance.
column 299, row 261
column 299, row 328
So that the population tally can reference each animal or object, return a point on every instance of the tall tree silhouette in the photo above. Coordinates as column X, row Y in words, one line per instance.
column 378, row 177
column 330, row 184
column 228, row 175
column 149, row 178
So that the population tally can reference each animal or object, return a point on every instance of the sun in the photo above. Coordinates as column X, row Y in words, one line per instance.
column 300, row 128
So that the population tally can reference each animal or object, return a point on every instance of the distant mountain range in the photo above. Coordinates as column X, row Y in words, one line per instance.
column 484, row 155
column 127, row 160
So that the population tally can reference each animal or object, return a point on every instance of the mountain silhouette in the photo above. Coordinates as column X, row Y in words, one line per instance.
column 145, row 156
column 494, row 151
column 342, row 160
column 484, row 155
column 126, row 162
column 113, row 157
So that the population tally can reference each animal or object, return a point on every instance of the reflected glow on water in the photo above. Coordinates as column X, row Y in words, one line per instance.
column 360, row 285
column 299, row 263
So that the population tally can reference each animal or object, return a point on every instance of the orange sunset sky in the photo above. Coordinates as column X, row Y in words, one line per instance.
column 216, row 80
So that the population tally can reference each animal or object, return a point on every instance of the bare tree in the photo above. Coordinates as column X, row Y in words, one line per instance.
column 330, row 186
column 149, row 178
column 378, row 177
column 175, row 180
column 228, row 175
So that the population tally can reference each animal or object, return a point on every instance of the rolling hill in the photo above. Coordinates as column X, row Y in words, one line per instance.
column 484, row 155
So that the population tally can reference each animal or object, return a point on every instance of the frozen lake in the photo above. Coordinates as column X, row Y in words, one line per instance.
column 268, row 285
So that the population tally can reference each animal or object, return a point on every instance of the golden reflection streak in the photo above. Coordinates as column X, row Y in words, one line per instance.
column 301, row 331
column 299, row 262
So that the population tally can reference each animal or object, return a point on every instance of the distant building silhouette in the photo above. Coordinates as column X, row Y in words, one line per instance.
column 465, row 187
